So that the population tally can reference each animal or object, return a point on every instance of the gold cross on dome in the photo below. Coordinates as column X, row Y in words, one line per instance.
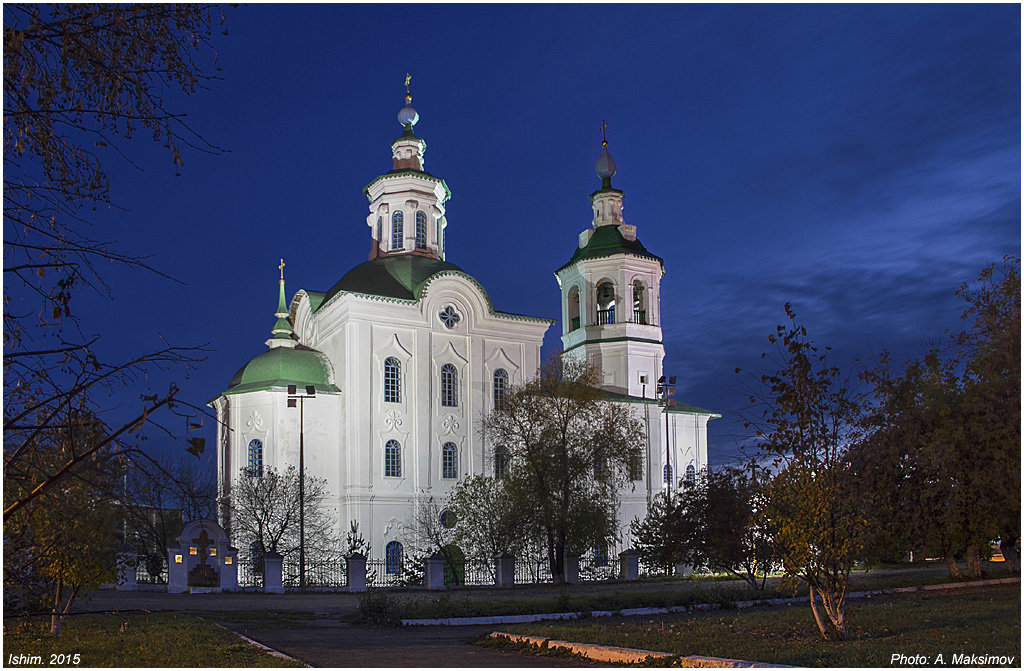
column 281, row 268
column 604, row 138
column 408, row 78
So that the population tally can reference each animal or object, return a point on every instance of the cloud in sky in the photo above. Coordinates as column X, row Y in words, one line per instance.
column 859, row 161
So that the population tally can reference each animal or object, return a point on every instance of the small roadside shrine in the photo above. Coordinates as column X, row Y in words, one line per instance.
column 202, row 561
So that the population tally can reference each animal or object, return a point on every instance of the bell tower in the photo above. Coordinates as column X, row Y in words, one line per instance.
column 407, row 203
column 611, row 314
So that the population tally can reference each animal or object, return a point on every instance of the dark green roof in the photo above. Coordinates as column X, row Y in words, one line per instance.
column 608, row 241
column 401, row 276
column 282, row 366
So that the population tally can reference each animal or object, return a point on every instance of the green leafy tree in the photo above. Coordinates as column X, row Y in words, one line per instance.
column 734, row 537
column 62, row 543
column 713, row 523
column 943, row 451
column 666, row 534
column 569, row 453
column 992, row 349
column 809, row 418
column 489, row 522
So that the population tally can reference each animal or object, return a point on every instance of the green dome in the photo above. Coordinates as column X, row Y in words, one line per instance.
column 401, row 276
column 282, row 366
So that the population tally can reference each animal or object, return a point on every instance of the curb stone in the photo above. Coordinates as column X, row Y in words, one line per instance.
column 613, row 655
column 626, row 612
column 270, row 651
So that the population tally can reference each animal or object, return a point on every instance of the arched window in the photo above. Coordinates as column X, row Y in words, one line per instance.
column 605, row 303
column 421, row 230
column 393, row 556
column 691, row 474
column 447, row 519
column 639, row 304
column 668, row 475
column 600, row 466
column 500, row 461
column 573, row 298
column 449, row 461
column 392, row 459
column 255, row 458
column 397, row 232
column 636, row 468
column 449, row 386
column 500, row 387
column 392, row 380
column 380, row 232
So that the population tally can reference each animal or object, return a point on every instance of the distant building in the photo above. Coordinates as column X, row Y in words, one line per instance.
column 406, row 353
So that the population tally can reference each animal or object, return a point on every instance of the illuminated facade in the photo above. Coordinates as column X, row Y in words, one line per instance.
column 406, row 353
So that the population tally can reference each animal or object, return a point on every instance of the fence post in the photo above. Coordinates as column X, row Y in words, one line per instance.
column 434, row 571
column 355, row 572
column 272, row 570
column 504, row 570
column 127, row 565
column 571, row 568
column 177, row 570
column 629, row 564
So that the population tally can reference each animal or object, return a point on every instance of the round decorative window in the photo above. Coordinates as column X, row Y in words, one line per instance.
column 449, row 317
column 447, row 519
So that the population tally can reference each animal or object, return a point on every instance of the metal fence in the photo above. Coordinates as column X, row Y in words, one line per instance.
column 320, row 574
column 651, row 570
column 469, row 572
column 143, row 576
column 595, row 569
column 377, row 575
column 250, row 572
column 532, row 571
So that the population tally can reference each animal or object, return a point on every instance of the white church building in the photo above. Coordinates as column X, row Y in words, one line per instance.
column 406, row 353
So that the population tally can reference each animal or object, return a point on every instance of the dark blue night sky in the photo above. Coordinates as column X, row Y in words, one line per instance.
column 858, row 161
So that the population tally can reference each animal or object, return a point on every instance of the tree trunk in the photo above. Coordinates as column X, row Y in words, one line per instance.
column 836, row 615
column 55, row 614
column 947, row 553
column 1008, row 546
column 974, row 561
column 817, row 615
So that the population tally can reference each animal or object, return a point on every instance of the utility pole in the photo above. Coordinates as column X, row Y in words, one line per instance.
column 293, row 398
column 666, row 389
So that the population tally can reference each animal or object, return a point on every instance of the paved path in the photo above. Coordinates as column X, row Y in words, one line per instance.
column 310, row 628
column 338, row 644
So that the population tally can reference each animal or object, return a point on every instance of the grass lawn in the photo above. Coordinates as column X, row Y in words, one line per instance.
column 978, row 621
column 132, row 640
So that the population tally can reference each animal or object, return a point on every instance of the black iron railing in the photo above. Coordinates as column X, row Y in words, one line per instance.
column 606, row 316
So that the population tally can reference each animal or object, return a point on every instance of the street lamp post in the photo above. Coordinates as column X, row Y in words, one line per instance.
column 665, row 390
column 294, row 397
